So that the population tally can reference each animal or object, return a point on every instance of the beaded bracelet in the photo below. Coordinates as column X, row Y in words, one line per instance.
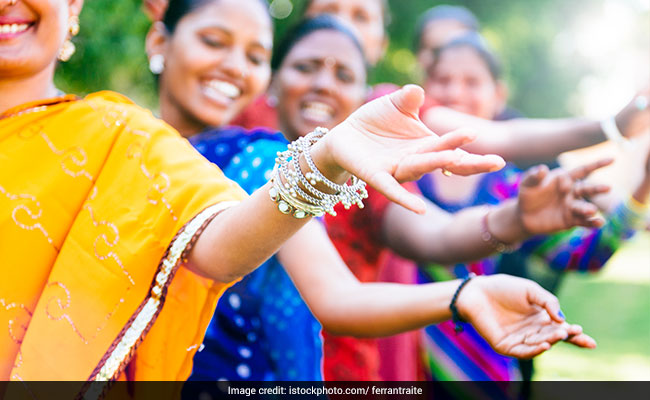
column 489, row 238
column 295, row 192
column 455, row 315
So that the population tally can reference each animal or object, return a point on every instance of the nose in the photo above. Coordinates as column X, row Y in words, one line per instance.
column 324, row 81
column 235, row 64
column 454, row 91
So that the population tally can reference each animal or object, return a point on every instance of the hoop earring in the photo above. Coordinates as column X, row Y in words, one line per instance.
column 157, row 64
column 68, row 48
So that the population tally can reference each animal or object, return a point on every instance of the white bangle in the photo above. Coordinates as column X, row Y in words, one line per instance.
column 611, row 131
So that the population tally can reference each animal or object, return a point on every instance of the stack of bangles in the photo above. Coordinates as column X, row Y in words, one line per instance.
column 295, row 192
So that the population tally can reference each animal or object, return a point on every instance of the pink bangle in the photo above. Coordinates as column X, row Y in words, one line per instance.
column 489, row 238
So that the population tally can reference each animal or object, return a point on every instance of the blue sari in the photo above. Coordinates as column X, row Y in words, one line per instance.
column 262, row 330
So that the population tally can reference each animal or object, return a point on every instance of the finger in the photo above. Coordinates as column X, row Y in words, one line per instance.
column 388, row 186
column 582, row 340
column 585, row 170
column 408, row 100
column 552, row 335
column 524, row 351
column 450, row 141
column 583, row 209
column 455, row 161
column 470, row 164
column 545, row 299
column 534, row 176
column 564, row 183
column 586, row 189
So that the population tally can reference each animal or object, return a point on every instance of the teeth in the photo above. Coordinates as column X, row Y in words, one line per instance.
column 225, row 88
column 318, row 111
column 13, row 28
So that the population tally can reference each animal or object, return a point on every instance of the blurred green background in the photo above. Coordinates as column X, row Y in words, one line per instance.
column 561, row 57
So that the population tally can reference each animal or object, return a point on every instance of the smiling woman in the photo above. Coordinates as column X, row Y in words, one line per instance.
column 211, row 72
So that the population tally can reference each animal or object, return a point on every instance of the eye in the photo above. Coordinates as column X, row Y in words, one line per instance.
column 258, row 58
column 212, row 41
column 345, row 75
column 304, row 67
column 361, row 16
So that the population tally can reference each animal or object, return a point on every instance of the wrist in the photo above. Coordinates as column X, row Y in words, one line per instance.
column 460, row 305
column 324, row 159
column 506, row 224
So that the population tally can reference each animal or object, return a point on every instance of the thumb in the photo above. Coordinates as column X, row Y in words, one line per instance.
column 534, row 176
column 408, row 99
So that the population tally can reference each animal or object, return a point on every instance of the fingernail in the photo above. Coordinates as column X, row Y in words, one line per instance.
column 561, row 314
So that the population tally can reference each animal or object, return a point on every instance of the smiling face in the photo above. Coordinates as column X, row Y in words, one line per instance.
column 31, row 34
column 216, row 63
column 461, row 80
column 366, row 16
column 321, row 81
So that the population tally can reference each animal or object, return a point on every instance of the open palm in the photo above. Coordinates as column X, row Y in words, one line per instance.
column 384, row 143
column 516, row 316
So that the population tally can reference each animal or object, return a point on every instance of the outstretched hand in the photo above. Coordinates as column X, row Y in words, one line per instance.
column 384, row 143
column 516, row 316
column 551, row 201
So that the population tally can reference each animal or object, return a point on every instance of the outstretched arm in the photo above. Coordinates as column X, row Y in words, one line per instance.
column 549, row 201
column 346, row 306
column 530, row 141
column 382, row 143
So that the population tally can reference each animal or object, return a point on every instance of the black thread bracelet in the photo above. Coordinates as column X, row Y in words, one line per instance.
column 455, row 315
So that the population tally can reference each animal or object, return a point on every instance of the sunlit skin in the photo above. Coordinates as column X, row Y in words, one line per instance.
column 213, row 68
column 28, row 57
column 321, row 82
column 366, row 16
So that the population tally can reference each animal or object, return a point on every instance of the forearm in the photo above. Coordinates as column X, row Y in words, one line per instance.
column 443, row 238
column 346, row 306
column 520, row 140
column 384, row 309
column 241, row 238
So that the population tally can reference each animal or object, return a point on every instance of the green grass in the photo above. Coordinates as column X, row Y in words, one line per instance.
column 613, row 307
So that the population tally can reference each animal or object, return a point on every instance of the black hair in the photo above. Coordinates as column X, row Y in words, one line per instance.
column 177, row 9
column 386, row 15
column 443, row 12
column 477, row 43
column 307, row 27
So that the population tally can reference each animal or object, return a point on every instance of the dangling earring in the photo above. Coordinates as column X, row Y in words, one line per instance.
column 68, row 48
column 157, row 64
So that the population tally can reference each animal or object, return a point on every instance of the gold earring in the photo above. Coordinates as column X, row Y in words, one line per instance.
column 68, row 48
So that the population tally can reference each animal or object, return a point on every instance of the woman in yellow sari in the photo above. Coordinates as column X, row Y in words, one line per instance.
column 117, row 238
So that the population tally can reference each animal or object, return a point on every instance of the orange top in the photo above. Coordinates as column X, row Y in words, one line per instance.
column 92, row 193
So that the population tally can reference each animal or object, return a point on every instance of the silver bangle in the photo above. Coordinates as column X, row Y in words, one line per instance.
column 295, row 192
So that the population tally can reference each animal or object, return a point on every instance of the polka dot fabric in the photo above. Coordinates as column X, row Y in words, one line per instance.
column 262, row 330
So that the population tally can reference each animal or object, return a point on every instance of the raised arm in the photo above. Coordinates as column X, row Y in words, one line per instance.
column 530, row 141
column 382, row 143
column 549, row 201
column 345, row 306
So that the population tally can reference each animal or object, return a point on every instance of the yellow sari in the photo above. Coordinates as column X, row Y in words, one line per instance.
column 99, row 201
